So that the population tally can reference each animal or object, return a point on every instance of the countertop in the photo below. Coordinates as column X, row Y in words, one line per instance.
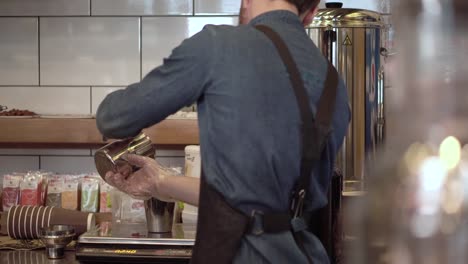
column 33, row 257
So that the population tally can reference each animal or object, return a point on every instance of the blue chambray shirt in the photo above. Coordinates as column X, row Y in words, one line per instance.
column 248, row 117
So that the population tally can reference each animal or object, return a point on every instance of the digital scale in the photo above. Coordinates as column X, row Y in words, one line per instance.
column 133, row 244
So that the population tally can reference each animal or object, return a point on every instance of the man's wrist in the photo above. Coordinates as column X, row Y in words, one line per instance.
column 162, row 185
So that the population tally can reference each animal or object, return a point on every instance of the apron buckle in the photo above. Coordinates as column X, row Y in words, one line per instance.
column 297, row 204
column 256, row 222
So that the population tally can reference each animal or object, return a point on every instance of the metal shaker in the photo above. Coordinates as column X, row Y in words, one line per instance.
column 159, row 214
column 109, row 157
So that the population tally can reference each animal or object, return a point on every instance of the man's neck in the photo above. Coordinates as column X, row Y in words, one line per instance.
column 261, row 7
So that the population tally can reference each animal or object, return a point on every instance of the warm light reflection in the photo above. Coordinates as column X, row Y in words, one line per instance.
column 415, row 155
column 431, row 178
column 453, row 197
column 432, row 174
column 450, row 152
column 424, row 225
column 432, row 6
column 464, row 177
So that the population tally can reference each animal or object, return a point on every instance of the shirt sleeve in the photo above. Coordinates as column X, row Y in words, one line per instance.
column 178, row 82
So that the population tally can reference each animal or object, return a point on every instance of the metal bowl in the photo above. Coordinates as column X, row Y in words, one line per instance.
column 56, row 238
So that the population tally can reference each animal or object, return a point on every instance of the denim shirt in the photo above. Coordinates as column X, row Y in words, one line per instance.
column 249, row 120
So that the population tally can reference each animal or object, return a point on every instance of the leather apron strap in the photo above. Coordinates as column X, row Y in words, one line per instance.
column 220, row 228
column 314, row 132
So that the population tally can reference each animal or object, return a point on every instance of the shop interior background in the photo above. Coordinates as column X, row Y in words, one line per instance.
column 63, row 57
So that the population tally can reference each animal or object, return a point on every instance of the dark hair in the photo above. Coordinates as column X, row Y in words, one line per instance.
column 304, row 5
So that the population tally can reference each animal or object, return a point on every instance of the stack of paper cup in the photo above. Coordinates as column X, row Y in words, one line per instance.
column 26, row 221
column 192, row 169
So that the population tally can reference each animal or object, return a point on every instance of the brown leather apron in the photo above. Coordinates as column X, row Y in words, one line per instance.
column 221, row 227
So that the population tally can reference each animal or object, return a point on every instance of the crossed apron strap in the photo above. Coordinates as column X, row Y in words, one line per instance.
column 314, row 132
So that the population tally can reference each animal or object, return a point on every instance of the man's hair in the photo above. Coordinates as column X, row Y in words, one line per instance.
column 304, row 5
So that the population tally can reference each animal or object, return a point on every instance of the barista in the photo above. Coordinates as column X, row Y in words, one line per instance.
column 258, row 114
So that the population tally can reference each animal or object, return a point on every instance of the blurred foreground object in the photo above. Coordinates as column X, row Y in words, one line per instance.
column 415, row 210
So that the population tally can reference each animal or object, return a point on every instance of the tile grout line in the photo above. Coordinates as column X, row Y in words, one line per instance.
column 141, row 48
column 207, row 15
column 90, row 100
column 39, row 51
column 193, row 7
column 63, row 85
column 46, row 155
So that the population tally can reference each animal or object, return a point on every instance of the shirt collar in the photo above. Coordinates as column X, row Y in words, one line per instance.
column 284, row 16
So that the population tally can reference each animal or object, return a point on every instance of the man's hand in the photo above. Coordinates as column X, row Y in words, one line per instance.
column 144, row 183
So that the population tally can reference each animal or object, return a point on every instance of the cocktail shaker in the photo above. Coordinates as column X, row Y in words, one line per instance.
column 159, row 214
column 109, row 157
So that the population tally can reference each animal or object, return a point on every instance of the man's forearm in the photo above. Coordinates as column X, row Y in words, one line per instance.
column 180, row 188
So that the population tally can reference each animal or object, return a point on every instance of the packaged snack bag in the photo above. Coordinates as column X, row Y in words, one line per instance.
column 90, row 194
column 54, row 191
column 11, row 190
column 32, row 189
column 105, row 200
column 70, row 194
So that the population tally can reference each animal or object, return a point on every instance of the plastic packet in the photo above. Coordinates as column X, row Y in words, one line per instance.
column 133, row 210
column 1, row 191
column 54, row 190
column 105, row 200
column 32, row 188
column 127, row 210
column 11, row 190
column 70, row 194
column 90, row 194
column 116, row 200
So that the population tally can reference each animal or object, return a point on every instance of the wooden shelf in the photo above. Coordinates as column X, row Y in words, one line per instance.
column 63, row 132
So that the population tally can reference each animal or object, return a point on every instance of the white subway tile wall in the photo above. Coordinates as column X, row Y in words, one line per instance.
column 142, row 7
column 90, row 50
column 375, row 5
column 47, row 100
column 10, row 164
column 172, row 162
column 162, row 34
column 19, row 59
column 68, row 164
column 98, row 94
column 363, row 4
column 44, row 7
column 217, row 7
column 64, row 57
